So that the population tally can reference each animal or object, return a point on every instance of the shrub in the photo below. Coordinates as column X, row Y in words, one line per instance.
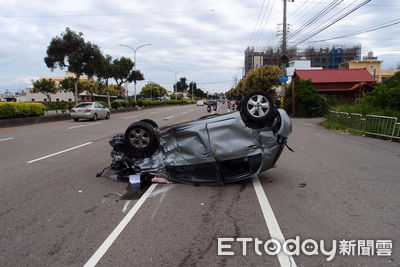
column 308, row 102
column 103, row 103
column 20, row 109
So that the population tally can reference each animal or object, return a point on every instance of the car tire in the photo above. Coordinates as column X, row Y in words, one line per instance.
column 76, row 119
column 94, row 117
column 152, row 123
column 108, row 115
column 141, row 138
column 257, row 109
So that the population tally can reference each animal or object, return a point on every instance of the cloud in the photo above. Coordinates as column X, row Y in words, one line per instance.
column 205, row 39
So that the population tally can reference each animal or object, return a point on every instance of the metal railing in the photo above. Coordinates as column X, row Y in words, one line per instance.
column 370, row 124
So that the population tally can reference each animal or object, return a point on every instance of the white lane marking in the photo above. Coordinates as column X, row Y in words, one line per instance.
column 183, row 113
column 167, row 118
column 126, row 118
column 5, row 139
column 272, row 224
column 120, row 227
column 155, row 112
column 158, row 206
column 48, row 156
column 126, row 206
column 73, row 127
column 192, row 109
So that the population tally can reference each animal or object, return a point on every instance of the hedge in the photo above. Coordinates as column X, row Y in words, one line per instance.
column 59, row 105
column 20, row 109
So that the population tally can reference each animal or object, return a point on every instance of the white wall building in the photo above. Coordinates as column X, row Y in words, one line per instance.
column 39, row 97
column 302, row 64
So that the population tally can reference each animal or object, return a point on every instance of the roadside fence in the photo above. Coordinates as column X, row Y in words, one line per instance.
column 369, row 124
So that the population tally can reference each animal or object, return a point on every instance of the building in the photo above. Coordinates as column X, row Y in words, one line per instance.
column 346, row 84
column 320, row 56
column 60, row 96
column 372, row 64
column 302, row 64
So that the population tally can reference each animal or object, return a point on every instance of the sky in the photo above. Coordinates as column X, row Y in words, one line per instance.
column 203, row 41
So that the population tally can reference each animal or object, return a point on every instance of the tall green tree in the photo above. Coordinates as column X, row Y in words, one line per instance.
column 72, row 52
column 45, row 86
column 181, row 85
column 123, row 72
column 104, row 72
column 153, row 90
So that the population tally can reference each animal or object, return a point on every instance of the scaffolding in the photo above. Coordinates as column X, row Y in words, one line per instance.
column 327, row 57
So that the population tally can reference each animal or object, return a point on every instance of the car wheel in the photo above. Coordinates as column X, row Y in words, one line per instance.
column 108, row 115
column 94, row 117
column 140, row 137
column 76, row 119
column 258, row 107
column 152, row 123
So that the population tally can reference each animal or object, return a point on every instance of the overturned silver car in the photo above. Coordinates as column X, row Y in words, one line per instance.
column 212, row 150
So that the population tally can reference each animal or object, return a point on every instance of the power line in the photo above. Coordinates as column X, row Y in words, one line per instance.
column 315, row 18
column 374, row 28
column 312, row 34
column 266, row 22
column 262, row 22
column 255, row 26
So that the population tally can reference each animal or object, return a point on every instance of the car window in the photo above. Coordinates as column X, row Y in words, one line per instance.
column 84, row 105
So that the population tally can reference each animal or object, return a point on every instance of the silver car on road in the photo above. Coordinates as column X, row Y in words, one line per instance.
column 90, row 110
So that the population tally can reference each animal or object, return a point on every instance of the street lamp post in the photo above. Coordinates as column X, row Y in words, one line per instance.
column 134, row 60
column 175, row 88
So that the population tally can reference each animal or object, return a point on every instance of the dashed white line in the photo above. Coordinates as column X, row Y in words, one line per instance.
column 183, row 113
column 73, row 127
column 126, row 118
column 5, row 139
column 167, row 118
column 48, row 156
column 117, row 231
column 155, row 112
column 272, row 224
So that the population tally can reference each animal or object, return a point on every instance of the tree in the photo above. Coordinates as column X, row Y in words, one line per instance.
column 386, row 95
column 153, row 90
column 308, row 102
column 72, row 52
column 104, row 72
column 45, row 86
column 123, row 72
column 262, row 78
column 181, row 85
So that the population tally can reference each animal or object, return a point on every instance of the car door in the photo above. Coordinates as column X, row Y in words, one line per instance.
column 100, row 110
column 230, row 139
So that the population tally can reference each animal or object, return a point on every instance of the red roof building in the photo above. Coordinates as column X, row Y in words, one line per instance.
column 344, row 83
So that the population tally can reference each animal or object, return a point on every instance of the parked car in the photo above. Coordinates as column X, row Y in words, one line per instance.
column 90, row 110
column 200, row 103
column 214, row 150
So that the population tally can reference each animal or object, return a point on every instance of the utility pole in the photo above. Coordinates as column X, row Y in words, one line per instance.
column 284, row 57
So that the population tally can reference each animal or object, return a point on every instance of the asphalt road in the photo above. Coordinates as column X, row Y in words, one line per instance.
column 55, row 211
